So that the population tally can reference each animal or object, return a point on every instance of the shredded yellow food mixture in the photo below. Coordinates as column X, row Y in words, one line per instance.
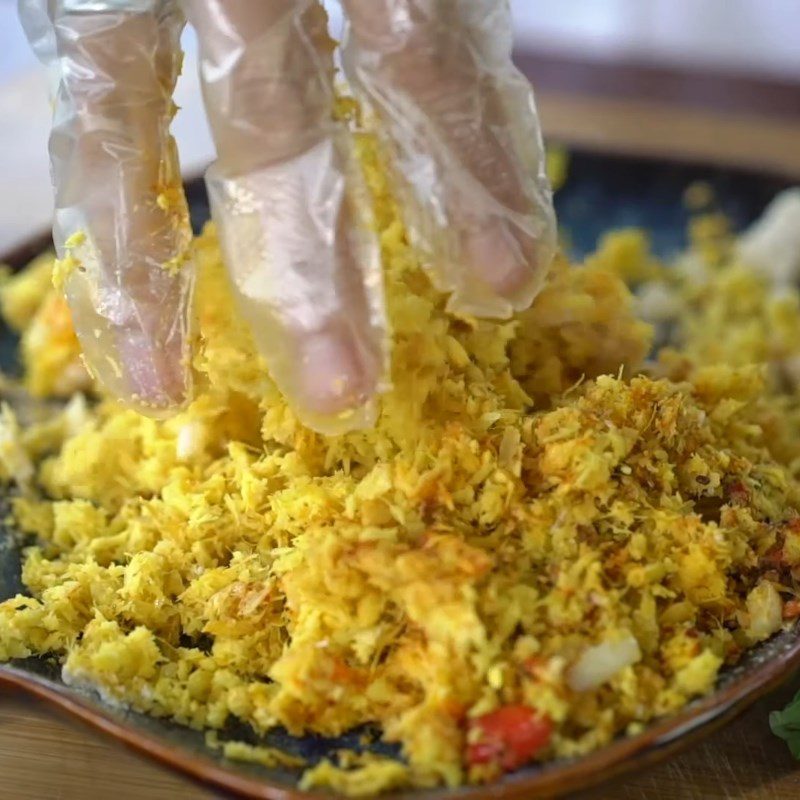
column 545, row 542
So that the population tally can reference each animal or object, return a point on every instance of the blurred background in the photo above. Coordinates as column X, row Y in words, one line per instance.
column 705, row 80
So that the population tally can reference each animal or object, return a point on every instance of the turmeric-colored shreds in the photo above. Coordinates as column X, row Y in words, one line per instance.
column 542, row 545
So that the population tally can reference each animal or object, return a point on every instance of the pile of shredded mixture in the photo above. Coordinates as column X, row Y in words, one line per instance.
column 550, row 539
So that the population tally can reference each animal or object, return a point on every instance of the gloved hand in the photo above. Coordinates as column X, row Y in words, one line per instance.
column 462, row 133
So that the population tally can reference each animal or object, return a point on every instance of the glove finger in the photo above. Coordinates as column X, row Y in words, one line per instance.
column 462, row 128
column 121, row 224
column 292, row 217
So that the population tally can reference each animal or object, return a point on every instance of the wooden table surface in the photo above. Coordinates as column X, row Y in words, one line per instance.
column 45, row 756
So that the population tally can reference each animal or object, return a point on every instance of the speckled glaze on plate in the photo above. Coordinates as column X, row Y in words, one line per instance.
column 601, row 193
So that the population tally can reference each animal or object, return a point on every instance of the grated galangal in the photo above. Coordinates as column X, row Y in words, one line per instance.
column 549, row 540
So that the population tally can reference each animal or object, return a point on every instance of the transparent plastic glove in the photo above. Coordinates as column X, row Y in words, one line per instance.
column 461, row 124
column 292, row 216
column 120, row 214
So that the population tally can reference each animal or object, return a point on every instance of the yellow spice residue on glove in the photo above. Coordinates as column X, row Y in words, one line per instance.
column 536, row 521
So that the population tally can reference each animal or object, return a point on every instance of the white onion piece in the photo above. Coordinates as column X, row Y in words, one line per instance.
column 601, row 662
column 771, row 245
column 765, row 608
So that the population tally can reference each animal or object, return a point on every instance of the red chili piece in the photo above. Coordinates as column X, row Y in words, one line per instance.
column 510, row 737
column 791, row 609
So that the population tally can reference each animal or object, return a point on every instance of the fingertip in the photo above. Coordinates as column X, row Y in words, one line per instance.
column 155, row 381
column 334, row 376
column 508, row 261
column 147, row 366
column 498, row 257
column 157, row 378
